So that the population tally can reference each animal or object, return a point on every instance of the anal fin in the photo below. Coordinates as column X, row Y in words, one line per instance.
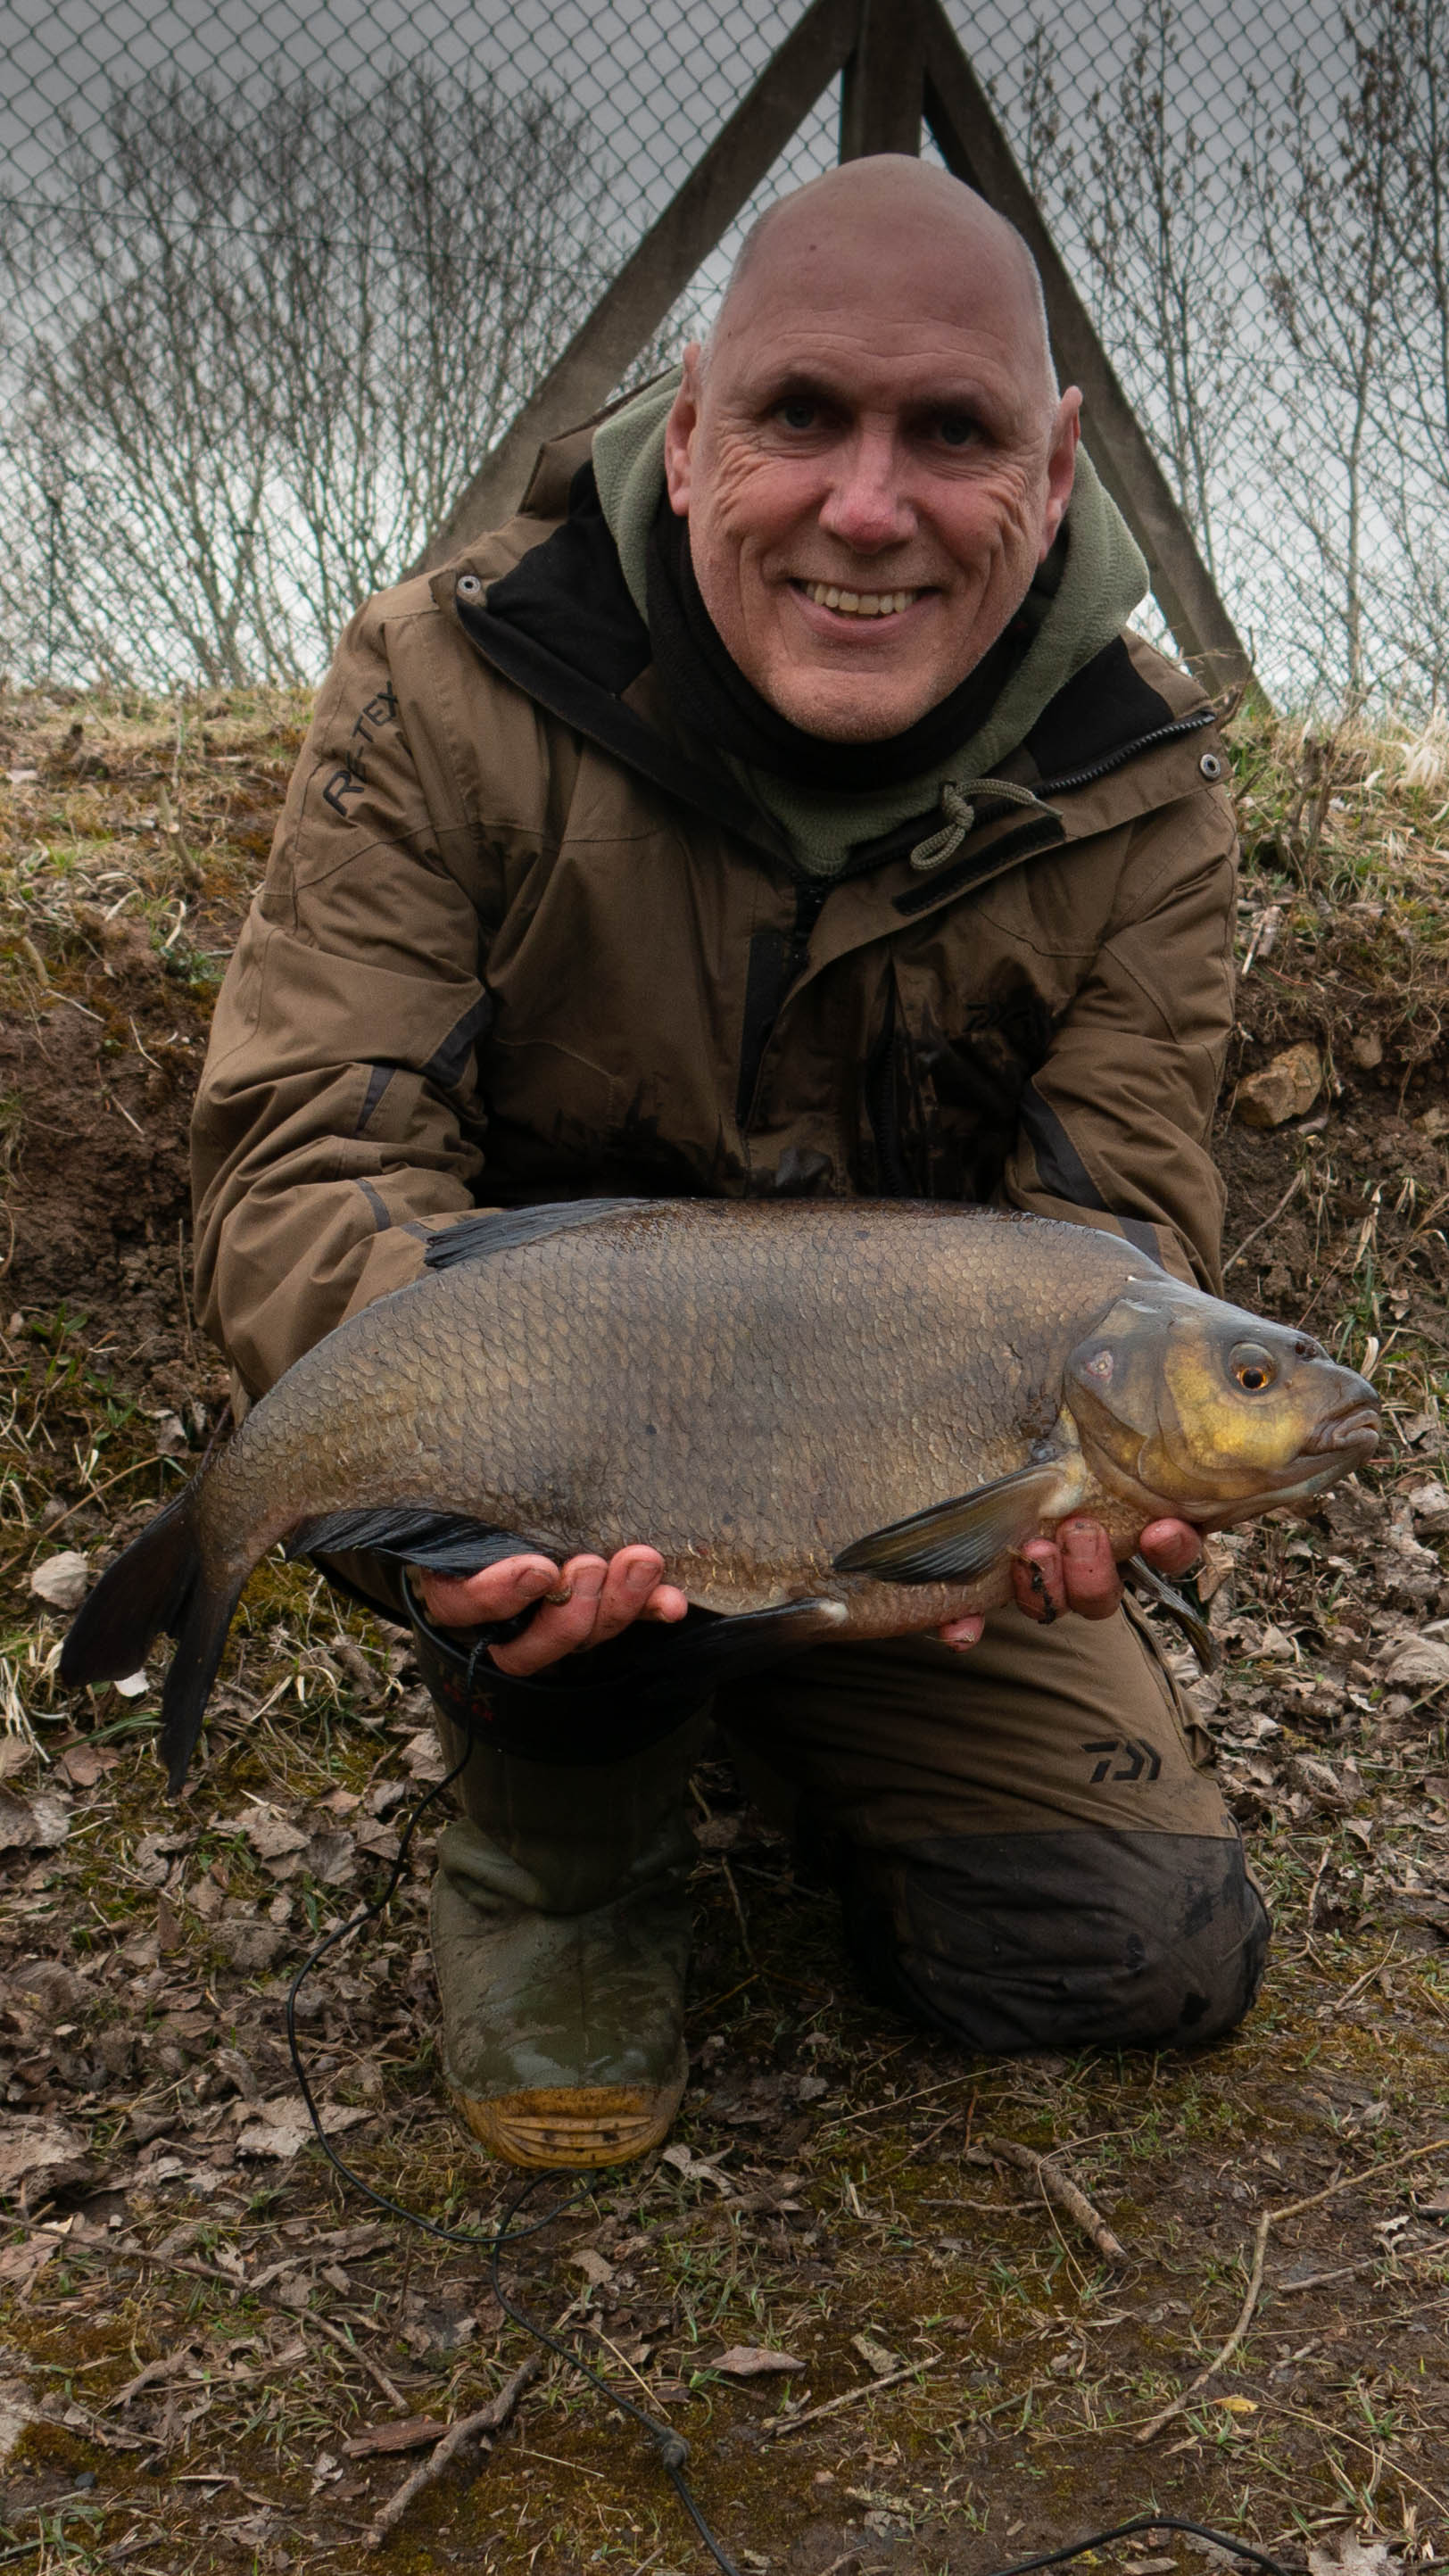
column 445, row 1542
column 951, row 1542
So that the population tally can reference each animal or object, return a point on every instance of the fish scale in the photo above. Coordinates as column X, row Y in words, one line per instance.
column 864, row 1407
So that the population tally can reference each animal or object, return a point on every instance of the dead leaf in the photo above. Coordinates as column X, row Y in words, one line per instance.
column 753, row 2361
column 1420, row 1662
column 875, row 2356
column 18, row 2412
column 717, row 1833
column 40, row 2156
column 422, row 1757
column 1430, row 1507
column 1351, row 2557
column 270, row 1836
column 593, row 2266
column 332, row 1859
column 284, row 2128
column 418, row 2433
column 250, row 1946
column 693, row 2167
column 63, row 1581
column 38, row 1823
column 85, row 1764
column 377, row 1839
column 19, row 2265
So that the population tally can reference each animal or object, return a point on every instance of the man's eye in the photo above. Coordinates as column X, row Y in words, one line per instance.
column 956, row 429
column 798, row 412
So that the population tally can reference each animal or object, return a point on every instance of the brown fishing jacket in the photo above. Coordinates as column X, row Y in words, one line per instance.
column 521, row 940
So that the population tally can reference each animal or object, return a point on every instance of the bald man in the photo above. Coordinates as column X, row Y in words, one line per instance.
column 776, row 805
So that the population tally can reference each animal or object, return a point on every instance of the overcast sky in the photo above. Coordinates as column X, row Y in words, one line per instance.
column 655, row 77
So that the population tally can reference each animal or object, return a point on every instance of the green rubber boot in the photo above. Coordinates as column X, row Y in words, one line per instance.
column 560, row 1931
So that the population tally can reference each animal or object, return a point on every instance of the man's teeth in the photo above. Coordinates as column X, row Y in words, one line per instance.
column 859, row 603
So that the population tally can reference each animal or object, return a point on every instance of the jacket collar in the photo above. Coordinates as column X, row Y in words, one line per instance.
column 557, row 619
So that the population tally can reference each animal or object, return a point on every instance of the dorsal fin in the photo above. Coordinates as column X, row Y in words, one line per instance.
column 473, row 1238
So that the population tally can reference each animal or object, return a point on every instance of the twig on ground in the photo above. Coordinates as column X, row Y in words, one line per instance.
column 782, row 2424
column 1291, row 1192
column 469, row 2428
column 91, row 1496
column 239, row 2288
column 1055, row 2183
column 1270, row 2219
column 1350, row 1994
column 737, row 1902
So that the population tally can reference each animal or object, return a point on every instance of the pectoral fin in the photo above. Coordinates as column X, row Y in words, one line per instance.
column 953, row 1541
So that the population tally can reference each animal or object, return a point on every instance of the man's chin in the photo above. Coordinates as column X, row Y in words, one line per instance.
column 854, row 714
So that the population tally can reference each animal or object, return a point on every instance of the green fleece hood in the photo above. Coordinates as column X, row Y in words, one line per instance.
column 1103, row 580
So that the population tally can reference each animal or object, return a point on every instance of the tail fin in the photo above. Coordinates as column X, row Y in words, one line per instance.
column 158, row 1583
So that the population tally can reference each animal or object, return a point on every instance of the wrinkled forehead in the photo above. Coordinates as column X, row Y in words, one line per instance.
column 826, row 264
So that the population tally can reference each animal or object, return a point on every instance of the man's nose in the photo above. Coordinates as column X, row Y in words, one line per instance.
column 866, row 506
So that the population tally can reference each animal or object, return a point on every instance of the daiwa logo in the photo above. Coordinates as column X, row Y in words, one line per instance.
column 1139, row 1761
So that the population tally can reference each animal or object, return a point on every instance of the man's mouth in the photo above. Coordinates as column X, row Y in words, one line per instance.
column 858, row 603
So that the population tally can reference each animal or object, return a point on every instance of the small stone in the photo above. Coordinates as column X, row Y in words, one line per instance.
column 1286, row 1088
column 1282, row 1088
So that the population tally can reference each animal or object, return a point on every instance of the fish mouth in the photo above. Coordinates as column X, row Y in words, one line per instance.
column 1355, row 1429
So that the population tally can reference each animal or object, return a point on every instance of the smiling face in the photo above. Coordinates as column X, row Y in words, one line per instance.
column 872, row 456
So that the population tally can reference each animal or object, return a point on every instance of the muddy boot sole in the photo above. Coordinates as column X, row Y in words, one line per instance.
column 576, row 2126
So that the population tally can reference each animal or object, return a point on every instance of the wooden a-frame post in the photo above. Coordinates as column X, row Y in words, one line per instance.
column 901, row 65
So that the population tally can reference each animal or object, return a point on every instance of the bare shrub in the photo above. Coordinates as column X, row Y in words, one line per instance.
column 279, row 332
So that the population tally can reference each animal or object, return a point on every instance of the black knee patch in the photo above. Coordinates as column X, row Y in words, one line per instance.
column 1060, row 1940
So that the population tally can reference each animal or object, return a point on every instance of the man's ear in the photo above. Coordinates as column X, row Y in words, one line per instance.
column 1061, row 465
column 679, row 430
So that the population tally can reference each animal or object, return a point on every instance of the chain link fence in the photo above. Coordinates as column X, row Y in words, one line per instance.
column 274, row 277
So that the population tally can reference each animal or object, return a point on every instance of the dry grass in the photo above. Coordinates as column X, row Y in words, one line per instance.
column 197, row 2319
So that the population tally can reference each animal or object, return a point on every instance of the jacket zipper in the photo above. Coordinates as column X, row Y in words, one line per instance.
column 1144, row 742
column 809, row 904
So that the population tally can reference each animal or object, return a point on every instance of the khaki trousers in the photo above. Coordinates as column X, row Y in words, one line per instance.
column 1028, row 1846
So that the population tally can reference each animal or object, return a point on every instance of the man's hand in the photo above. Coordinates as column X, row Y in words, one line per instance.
column 1075, row 1571
column 583, row 1602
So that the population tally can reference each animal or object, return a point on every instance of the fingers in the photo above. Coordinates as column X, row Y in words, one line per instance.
column 1036, row 1580
column 1074, row 1571
column 631, row 1583
column 1172, row 1546
column 498, row 1592
column 604, row 1598
column 963, row 1634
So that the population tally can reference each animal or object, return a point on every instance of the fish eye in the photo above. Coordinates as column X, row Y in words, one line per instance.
column 1252, row 1366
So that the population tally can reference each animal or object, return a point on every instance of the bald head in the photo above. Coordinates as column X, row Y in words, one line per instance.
column 872, row 453
column 891, row 207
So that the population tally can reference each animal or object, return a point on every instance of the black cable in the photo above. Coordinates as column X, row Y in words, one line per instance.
column 670, row 2447
column 1145, row 2522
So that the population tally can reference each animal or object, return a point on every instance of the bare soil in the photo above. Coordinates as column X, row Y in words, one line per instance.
column 208, row 2342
